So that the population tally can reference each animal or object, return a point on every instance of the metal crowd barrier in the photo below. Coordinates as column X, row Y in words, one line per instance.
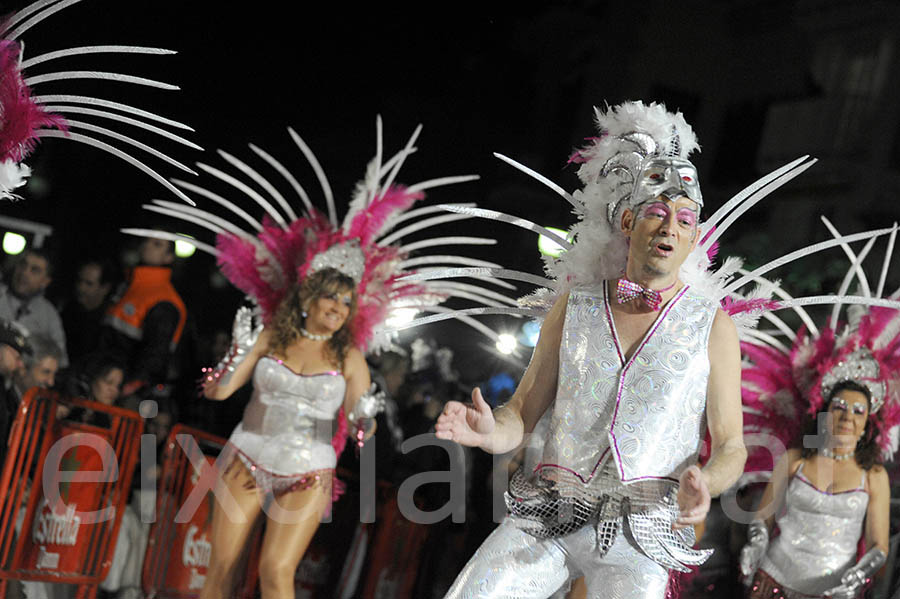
column 63, row 488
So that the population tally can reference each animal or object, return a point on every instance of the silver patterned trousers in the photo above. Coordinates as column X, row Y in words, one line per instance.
column 512, row 564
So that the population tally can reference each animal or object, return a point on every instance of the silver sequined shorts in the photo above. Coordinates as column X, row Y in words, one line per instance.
column 513, row 564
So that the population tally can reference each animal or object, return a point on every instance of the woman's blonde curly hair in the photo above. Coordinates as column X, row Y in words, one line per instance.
column 289, row 318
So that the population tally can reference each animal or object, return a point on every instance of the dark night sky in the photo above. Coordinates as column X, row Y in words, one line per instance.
column 519, row 82
column 246, row 75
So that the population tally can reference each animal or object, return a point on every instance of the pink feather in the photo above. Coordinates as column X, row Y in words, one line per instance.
column 21, row 116
column 368, row 223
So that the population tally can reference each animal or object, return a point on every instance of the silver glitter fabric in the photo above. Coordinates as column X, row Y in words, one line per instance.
column 348, row 258
column 861, row 367
column 287, row 426
column 554, row 507
column 819, row 536
column 648, row 413
column 511, row 564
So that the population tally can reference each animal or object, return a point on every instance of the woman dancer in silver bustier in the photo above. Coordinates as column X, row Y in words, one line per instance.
column 823, row 500
column 303, row 369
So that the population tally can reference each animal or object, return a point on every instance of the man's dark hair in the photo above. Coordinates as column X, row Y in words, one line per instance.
column 109, row 272
column 45, row 254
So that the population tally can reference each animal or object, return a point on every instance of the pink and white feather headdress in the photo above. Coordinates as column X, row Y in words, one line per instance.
column 783, row 384
column 25, row 117
column 264, row 258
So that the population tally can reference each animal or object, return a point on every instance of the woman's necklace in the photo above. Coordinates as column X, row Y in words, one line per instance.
column 828, row 453
column 313, row 336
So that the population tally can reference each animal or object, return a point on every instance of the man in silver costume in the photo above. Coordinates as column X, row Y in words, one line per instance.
column 631, row 370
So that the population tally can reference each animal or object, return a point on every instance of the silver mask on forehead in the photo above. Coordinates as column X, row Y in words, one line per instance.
column 647, row 169
column 668, row 177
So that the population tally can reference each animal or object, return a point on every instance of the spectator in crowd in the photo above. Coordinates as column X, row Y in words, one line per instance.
column 13, row 344
column 40, row 367
column 23, row 301
column 83, row 318
column 146, row 323
column 98, row 377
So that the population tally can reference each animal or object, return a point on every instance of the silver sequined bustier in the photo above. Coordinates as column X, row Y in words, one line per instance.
column 819, row 536
column 649, row 412
column 287, row 425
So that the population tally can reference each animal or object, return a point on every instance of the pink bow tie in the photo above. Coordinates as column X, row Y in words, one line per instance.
column 628, row 290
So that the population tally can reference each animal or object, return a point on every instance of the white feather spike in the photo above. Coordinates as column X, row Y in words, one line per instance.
column 417, row 212
column 259, row 179
column 487, row 331
column 441, row 181
column 243, row 187
column 75, row 99
column 486, row 279
column 15, row 33
column 855, row 264
column 755, row 199
column 392, row 161
column 289, row 178
column 740, row 196
column 379, row 149
column 779, row 324
column 520, row 312
column 888, row 333
column 445, row 259
column 92, row 50
column 320, row 175
column 66, row 75
column 59, row 108
column 534, row 175
column 501, row 273
column 784, row 295
column 204, row 247
column 466, row 295
column 19, row 15
column 855, row 267
column 234, row 208
column 421, row 225
column 887, row 260
column 810, row 249
column 401, row 157
column 74, row 124
column 211, row 218
column 767, row 339
column 85, row 139
column 816, row 300
column 442, row 241
column 196, row 220
column 475, row 290
column 512, row 220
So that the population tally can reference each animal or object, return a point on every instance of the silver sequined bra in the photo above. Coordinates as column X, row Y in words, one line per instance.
column 287, row 425
column 819, row 536
column 647, row 412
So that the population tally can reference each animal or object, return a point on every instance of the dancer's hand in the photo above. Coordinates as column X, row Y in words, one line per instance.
column 468, row 425
column 754, row 550
column 693, row 498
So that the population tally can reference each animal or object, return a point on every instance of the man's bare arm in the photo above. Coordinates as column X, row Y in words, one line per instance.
column 723, row 407
column 503, row 430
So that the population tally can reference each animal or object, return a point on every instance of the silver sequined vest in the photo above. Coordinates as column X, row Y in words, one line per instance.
column 649, row 413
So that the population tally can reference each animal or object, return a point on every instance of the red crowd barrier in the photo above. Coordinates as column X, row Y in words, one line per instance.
column 72, row 480
column 178, row 548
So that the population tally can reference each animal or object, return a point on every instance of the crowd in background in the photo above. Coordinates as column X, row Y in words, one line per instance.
column 123, row 336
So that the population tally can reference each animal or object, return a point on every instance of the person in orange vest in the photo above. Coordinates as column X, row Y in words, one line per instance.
column 145, row 325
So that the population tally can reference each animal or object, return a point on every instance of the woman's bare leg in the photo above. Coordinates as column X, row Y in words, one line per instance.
column 292, row 520
column 230, row 529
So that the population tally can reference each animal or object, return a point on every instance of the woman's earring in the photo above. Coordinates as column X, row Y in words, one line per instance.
column 304, row 314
